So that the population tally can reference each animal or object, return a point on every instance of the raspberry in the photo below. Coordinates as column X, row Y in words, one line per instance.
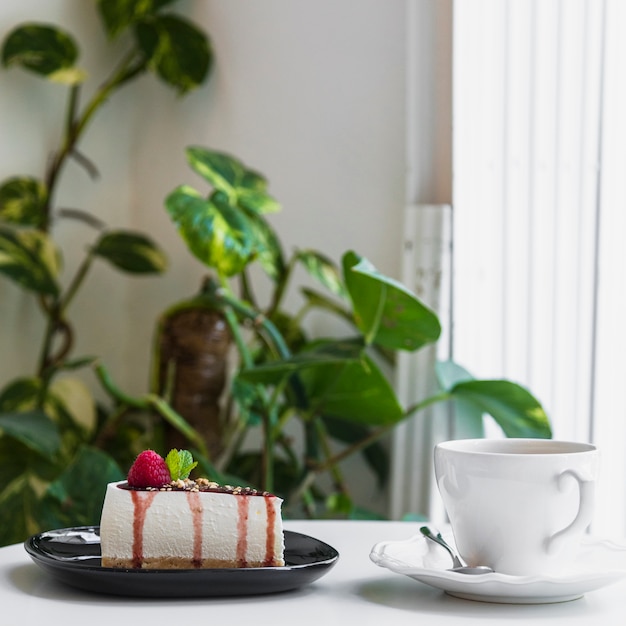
column 148, row 470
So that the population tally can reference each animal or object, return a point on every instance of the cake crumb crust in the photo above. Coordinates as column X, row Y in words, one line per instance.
column 179, row 563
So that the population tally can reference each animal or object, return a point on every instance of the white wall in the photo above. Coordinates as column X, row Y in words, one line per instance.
column 313, row 94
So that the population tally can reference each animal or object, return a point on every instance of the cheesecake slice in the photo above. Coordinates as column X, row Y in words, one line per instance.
column 185, row 524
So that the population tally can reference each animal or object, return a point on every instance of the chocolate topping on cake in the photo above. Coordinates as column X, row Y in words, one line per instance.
column 200, row 484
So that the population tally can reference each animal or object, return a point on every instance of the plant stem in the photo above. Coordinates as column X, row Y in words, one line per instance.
column 246, row 288
column 46, row 348
column 233, row 443
column 268, row 453
column 380, row 432
column 107, row 429
column 268, row 439
column 233, row 324
column 55, row 314
column 151, row 402
column 300, row 314
column 281, row 287
column 72, row 106
column 304, row 491
column 419, row 406
column 222, row 296
column 77, row 281
column 75, row 128
column 334, row 468
column 304, row 486
column 309, row 502
column 73, row 132
column 285, row 416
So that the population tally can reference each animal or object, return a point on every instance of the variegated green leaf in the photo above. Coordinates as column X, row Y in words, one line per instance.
column 68, row 401
column 214, row 232
column 257, row 201
column 20, row 395
column 16, row 501
column 40, row 48
column 22, row 201
column 267, row 248
column 176, row 50
column 30, row 258
column 131, row 252
column 244, row 187
column 223, row 171
column 34, row 429
column 75, row 498
column 316, row 299
column 77, row 402
column 118, row 15
column 253, row 181
column 68, row 76
column 324, row 270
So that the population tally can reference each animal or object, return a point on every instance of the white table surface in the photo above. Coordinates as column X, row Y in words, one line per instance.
column 355, row 592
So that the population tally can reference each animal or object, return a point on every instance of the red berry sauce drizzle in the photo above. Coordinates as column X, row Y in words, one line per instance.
column 141, row 503
column 242, row 531
column 270, row 538
column 142, row 499
column 193, row 498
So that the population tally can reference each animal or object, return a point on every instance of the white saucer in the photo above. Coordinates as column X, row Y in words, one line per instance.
column 597, row 564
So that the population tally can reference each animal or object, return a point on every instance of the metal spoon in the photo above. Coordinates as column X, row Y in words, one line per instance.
column 457, row 565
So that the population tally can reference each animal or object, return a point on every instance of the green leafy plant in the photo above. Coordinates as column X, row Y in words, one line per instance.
column 334, row 390
column 55, row 447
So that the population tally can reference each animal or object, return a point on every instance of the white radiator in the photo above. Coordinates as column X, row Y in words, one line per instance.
column 426, row 270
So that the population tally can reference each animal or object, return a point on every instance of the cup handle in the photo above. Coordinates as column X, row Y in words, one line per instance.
column 585, row 509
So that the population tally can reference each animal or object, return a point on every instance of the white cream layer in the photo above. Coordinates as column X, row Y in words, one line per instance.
column 168, row 529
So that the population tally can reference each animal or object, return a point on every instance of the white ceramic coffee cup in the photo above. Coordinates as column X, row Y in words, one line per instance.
column 519, row 506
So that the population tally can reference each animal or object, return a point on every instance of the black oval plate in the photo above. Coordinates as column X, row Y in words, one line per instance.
column 72, row 555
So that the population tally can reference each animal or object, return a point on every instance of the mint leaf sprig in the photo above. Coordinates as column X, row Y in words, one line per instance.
column 180, row 463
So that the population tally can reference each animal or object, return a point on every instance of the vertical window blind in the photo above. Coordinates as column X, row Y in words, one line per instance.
column 538, row 216
column 539, row 211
